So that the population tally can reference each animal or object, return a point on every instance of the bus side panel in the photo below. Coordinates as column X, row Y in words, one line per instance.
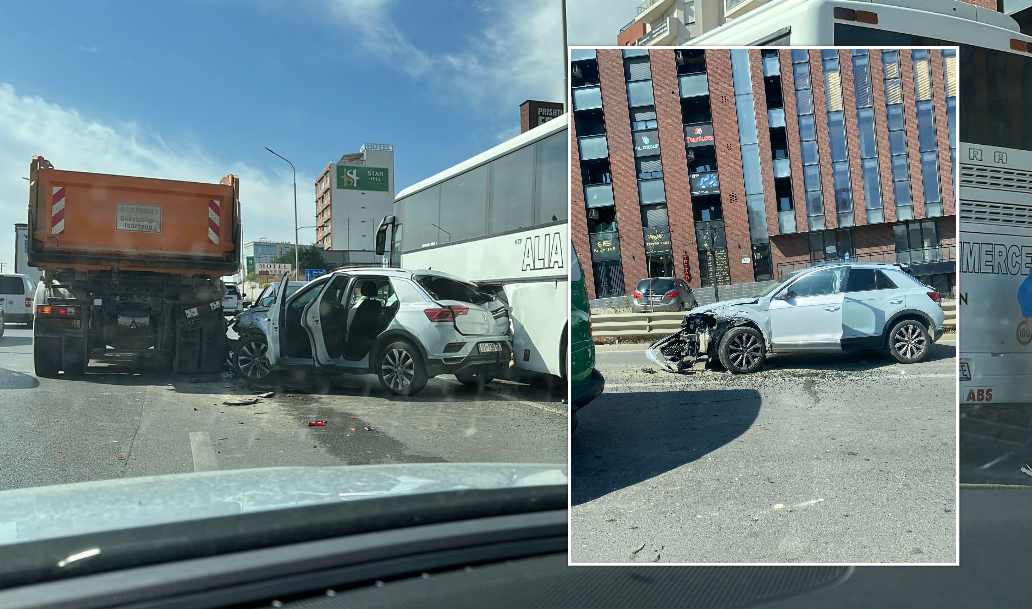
column 995, row 339
column 539, row 313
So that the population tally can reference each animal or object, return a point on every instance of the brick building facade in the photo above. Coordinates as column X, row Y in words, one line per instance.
column 748, row 164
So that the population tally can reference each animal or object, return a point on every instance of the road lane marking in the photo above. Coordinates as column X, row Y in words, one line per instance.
column 203, row 452
column 996, row 460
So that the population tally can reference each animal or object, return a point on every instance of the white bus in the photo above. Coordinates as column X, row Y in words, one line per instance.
column 995, row 205
column 499, row 219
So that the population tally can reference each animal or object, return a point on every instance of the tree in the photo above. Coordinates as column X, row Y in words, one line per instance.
column 310, row 257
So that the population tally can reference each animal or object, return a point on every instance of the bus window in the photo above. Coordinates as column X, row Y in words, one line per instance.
column 464, row 216
column 780, row 38
column 511, row 198
column 552, row 173
column 422, row 212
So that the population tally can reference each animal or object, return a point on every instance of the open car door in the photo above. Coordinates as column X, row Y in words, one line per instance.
column 325, row 319
column 275, row 328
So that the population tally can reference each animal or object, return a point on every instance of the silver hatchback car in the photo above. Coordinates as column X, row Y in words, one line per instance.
column 829, row 307
column 403, row 326
column 662, row 294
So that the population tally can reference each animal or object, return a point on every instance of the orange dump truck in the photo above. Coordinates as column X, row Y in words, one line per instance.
column 131, row 265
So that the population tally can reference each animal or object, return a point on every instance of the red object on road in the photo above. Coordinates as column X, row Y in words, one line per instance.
column 317, row 423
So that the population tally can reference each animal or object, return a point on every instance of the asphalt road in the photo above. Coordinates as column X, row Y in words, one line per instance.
column 130, row 420
column 845, row 458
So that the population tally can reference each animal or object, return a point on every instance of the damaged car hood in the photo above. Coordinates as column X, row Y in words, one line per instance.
column 725, row 306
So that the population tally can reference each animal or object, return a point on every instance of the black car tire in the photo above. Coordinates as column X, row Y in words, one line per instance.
column 400, row 368
column 253, row 349
column 908, row 341
column 741, row 350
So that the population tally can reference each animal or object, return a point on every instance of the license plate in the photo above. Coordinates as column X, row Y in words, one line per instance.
column 490, row 347
column 965, row 371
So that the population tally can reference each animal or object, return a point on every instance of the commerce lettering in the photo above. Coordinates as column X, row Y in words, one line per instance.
column 995, row 258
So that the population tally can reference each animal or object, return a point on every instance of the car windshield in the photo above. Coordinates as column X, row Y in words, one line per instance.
column 163, row 187
column 774, row 285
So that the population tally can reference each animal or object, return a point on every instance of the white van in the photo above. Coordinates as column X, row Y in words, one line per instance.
column 16, row 292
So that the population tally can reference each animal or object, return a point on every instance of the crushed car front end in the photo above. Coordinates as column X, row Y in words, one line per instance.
column 700, row 334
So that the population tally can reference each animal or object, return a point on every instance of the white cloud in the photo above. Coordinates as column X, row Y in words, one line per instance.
column 92, row 49
column 31, row 126
column 517, row 55
column 598, row 22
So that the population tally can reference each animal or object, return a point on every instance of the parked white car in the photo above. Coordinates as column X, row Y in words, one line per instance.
column 231, row 304
column 829, row 307
column 403, row 326
column 16, row 292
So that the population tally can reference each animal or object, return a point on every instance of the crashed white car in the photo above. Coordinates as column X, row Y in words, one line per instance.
column 830, row 307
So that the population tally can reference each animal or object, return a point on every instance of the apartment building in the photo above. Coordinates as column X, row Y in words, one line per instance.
column 351, row 197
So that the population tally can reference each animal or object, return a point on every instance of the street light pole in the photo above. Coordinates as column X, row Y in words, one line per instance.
column 297, row 252
column 566, row 64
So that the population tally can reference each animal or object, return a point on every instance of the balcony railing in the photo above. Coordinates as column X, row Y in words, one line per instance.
column 657, row 32
column 626, row 27
column 644, row 6
column 942, row 253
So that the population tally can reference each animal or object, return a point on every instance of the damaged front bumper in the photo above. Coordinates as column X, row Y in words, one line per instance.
column 685, row 347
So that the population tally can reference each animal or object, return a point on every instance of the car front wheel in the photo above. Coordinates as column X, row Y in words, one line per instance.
column 908, row 341
column 741, row 350
column 251, row 358
column 400, row 369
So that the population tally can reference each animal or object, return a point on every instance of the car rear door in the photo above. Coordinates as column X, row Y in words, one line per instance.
column 870, row 300
column 807, row 313
column 329, row 302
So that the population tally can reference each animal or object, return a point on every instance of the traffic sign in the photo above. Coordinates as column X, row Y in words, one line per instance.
column 311, row 274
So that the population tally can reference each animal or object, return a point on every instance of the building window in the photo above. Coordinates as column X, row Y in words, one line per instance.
column 917, row 242
column 866, row 136
column 897, row 135
column 837, row 137
column 808, row 139
column 949, row 63
column 830, row 245
column 741, row 75
column 927, row 140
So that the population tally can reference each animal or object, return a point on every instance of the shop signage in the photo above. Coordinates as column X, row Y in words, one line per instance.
column 362, row 178
column 657, row 240
column 704, row 183
column 646, row 143
column 605, row 246
column 698, row 135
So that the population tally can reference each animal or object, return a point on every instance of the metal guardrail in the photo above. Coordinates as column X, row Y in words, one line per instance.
column 658, row 325
column 658, row 31
column 943, row 253
column 644, row 6
column 626, row 27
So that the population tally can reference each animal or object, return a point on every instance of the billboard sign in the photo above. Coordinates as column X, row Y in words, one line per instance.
column 657, row 240
column 272, row 268
column 249, row 265
column 646, row 143
column 698, row 135
column 350, row 177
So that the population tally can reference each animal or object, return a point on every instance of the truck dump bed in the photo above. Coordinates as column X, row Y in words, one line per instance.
column 91, row 221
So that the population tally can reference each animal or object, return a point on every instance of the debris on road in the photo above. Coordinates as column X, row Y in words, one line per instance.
column 648, row 370
column 263, row 412
column 638, row 550
column 195, row 410
column 317, row 423
column 656, row 559
column 369, row 429
column 267, row 394
column 242, row 402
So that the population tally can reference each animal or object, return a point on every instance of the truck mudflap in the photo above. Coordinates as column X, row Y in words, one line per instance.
column 201, row 315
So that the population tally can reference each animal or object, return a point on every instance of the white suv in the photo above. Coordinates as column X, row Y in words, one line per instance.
column 16, row 292
column 829, row 307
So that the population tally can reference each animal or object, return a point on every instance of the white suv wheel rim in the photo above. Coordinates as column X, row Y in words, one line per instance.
column 744, row 350
column 909, row 342
column 253, row 359
column 398, row 368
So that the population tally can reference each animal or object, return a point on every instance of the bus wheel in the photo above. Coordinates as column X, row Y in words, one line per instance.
column 400, row 369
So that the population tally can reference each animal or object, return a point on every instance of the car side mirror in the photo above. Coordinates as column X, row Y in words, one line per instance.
column 786, row 295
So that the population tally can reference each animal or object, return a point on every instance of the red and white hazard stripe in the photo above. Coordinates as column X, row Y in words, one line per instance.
column 214, row 219
column 57, row 211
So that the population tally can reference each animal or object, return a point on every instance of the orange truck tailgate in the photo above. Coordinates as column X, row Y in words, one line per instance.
column 92, row 221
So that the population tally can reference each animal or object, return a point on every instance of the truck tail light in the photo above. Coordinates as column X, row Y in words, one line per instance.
column 57, row 310
column 934, row 296
column 637, row 294
column 445, row 314
column 673, row 294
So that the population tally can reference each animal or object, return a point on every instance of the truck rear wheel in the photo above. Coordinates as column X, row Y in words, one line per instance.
column 187, row 355
column 46, row 357
column 76, row 359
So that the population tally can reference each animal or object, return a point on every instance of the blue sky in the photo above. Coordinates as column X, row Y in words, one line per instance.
column 195, row 89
